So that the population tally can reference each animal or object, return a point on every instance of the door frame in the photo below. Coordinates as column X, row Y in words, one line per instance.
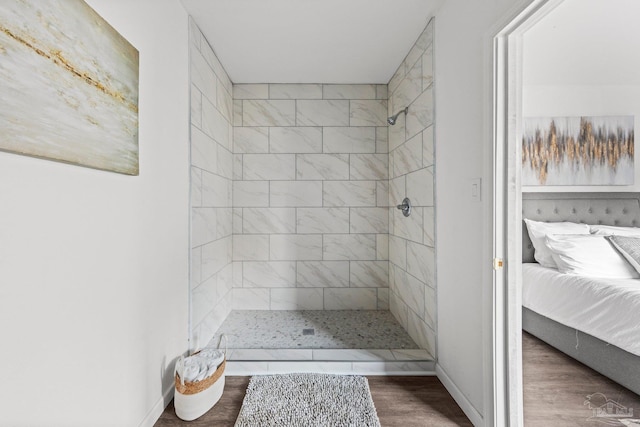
column 507, row 212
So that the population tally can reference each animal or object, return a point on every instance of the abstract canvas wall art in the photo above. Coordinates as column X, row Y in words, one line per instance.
column 68, row 86
column 578, row 151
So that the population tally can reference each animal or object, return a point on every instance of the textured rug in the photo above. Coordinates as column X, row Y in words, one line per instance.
column 308, row 400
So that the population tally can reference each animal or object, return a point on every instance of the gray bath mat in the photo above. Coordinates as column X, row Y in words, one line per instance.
column 308, row 400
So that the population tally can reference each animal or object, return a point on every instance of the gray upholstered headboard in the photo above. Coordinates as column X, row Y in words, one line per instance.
column 621, row 209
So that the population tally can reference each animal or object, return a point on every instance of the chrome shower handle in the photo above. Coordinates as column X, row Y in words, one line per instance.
column 405, row 207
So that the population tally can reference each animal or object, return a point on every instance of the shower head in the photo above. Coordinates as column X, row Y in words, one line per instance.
column 392, row 120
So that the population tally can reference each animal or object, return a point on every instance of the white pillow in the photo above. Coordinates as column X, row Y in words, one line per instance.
column 539, row 230
column 589, row 255
column 610, row 230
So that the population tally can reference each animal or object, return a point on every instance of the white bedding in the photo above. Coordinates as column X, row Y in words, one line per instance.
column 608, row 309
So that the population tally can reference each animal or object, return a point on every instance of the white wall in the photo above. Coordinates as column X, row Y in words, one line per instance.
column 462, row 49
column 577, row 63
column 93, row 265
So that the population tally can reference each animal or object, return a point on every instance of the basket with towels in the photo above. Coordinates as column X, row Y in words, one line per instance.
column 199, row 382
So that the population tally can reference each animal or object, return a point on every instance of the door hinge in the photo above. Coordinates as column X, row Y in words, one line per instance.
column 498, row 263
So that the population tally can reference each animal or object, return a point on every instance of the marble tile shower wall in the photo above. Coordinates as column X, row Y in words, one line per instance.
column 211, row 186
column 412, row 282
column 310, row 197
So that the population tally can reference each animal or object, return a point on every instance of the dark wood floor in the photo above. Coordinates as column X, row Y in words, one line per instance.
column 399, row 401
column 556, row 387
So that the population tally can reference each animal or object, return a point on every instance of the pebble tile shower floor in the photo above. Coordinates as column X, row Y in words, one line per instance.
column 340, row 329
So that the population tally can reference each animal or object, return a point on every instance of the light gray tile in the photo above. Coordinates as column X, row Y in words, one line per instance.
column 368, row 112
column 322, row 220
column 421, row 262
column 250, row 247
column 345, row 91
column 196, row 187
column 203, row 298
column 409, row 89
column 297, row 299
column 251, row 299
column 427, row 147
column 369, row 166
column 202, row 76
column 398, row 251
column 382, row 247
column 322, row 166
column 382, row 139
column 270, row 354
column 420, row 332
column 214, row 124
column 196, row 267
column 383, row 298
column 429, row 226
column 295, row 91
column 224, row 222
column 395, row 80
column 225, row 102
column 272, row 274
column 420, row 114
column 349, row 140
column 268, row 113
column 353, row 354
column 382, row 193
column 237, row 167
column 237, row 220
column 295, row 140
column 411, row 354
column 322, row 113
column 269, row 220
column 381, row 92
column 409, row 227
column 397, row 132
column 420, row 187
column 369, row 220
column 196, row 106
column 323, row 274
column 237, row 274
column 247, row 368
column 237, row 112
column 408, row 157
column 215, row 256
column 411, row 290
column 296, row 247
column 204, row 153
column 393, row 368
column 251, row 91
column 369, row 274
column 397, row 191
column 203, row 226
column 349, row 193
column 335, row 368
column 350, row 299
column 214, row 63
column 399, row 309
column 269, row 166
column 427, row 68
column 250, row 140
column 216, row 190
column 250, row 194
column 341, row 247
column 225, row 162
column 430, row 307
column 296, row 194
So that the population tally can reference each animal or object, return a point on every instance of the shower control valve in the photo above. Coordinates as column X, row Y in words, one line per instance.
column 405, row 207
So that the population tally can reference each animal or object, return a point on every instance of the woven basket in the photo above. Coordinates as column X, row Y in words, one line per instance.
column 194, row 399
column 198, row 386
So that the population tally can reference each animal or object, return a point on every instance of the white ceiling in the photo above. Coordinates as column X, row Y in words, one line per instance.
column 311, row 41
column 585, row 42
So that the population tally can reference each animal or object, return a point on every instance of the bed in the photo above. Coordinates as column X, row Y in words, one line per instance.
column 595, row 321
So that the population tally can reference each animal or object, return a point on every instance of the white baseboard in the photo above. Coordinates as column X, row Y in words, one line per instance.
column 158, row 408
column 474, row 416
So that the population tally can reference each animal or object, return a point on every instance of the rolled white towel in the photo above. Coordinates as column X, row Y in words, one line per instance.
column 202, row 365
